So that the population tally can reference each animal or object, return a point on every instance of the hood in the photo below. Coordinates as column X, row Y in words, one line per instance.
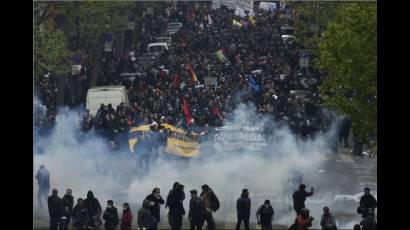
column 90, row 194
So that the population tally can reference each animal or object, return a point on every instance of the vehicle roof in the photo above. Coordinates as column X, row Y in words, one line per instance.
column 158, row 44
column 108, row 87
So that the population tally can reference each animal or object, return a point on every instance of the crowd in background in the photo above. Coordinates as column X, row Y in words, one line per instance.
column 260, row 68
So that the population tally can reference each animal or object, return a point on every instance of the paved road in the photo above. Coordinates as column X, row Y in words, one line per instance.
column 338, row 184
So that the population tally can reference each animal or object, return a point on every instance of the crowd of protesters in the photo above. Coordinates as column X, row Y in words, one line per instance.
column 86, row 214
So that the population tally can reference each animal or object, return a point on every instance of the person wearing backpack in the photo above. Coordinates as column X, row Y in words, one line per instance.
column 211, row 205
column 265, row 215
column 146, row 219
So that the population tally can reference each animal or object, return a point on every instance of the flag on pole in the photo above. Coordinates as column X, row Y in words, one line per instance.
column 220, row 55
column 252, row 21
column 192, row 73
column 186, row 112
column 236, row 23
column 176, row 81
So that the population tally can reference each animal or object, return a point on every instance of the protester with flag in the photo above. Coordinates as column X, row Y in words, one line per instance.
column 186, row 112
column 192, row 73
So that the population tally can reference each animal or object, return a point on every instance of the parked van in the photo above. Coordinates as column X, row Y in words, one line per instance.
column 113, row 95
column 158, row 47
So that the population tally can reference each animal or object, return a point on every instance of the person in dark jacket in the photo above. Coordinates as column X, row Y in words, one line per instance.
column 367, row 204
column 80, row 215
column 196, row 211
column 126, row 219
column 55, row 209
column 68, row 203
column 265, row 215
column 344, row 131
column 146, row 218
column 43, row 179
column 155, row 200
column 175, row 201
column 211, row 203
column 328, row 221
column 368, row 223
column 94, row 210
column 110, row 216
column 243, row 208
column 356, row 227
column 299, row 198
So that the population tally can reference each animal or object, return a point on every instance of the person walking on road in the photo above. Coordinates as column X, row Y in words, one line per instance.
column 43, row 179
column 243, row 208
column 265, row 215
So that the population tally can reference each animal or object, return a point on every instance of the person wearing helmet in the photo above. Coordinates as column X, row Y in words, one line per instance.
column 304, row 221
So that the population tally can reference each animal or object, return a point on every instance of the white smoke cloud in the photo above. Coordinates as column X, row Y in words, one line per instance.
column 84, row 164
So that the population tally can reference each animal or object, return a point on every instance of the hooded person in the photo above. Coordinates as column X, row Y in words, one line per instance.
column 264, row 215
column 146, row 219
column 68, row 203
column 243, row 207
column 155, row 200
column 94, row 210
column 175, row 201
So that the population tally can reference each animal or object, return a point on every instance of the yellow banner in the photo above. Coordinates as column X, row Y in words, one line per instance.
column 182, row 148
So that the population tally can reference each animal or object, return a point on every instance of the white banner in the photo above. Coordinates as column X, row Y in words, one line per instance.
column 240, row 137
column 243, row 5
column 108, row 46
column 210, row 81
column 75, row 69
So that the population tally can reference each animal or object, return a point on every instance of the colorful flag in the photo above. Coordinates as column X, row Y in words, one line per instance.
column 220, row 55
column 251, row 20
column 191, row 72
column 236, row 23
column 186, row 112
column 176, row 81
column 252, row 84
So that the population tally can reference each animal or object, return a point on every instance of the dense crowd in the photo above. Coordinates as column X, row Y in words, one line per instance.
column 86, row 214
column 157, row 94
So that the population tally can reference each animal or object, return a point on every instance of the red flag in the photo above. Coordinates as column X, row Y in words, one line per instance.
column 176, row 81
column 186, row 112
column 216, row 112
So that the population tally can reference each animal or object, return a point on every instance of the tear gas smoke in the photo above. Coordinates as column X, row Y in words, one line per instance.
column 84, row 164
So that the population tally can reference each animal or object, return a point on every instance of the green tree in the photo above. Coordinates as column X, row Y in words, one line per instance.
column 348, row 54
column 50, row 52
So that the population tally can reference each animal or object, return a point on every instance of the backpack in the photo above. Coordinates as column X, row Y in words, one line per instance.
column 215, row 202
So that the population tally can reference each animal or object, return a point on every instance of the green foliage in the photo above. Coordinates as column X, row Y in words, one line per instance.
column 348, row 54
column 50, row 52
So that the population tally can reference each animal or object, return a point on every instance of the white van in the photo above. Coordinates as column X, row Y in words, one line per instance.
column 268, row 6
column 113, row 95
column 158, row 47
